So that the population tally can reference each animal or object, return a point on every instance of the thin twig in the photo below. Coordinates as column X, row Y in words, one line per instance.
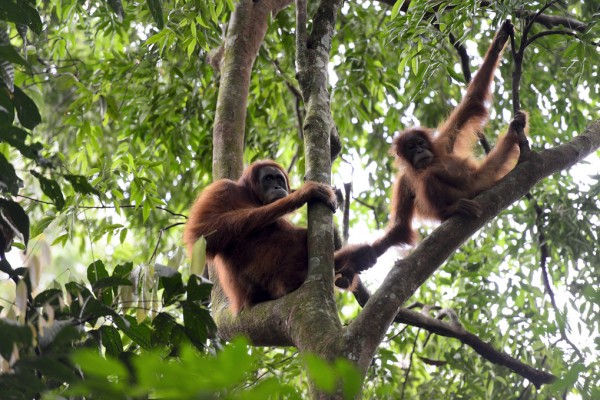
column 78, row 207
column 548, row 33
column 531, row 22
column 372, row 208
column 35, row 200
column 160, row 233
column 455, row 330
column 407, row 373
column 346, row 219
column 131, row 206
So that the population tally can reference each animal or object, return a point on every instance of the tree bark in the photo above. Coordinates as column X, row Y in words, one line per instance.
column 312, row 63
column 245, row 34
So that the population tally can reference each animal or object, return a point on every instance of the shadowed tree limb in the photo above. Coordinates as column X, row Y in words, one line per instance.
column 455, row 330
column 549, row 21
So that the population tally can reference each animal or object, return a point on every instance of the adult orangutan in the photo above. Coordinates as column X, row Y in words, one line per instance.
column 439, row 174
column 257, row 253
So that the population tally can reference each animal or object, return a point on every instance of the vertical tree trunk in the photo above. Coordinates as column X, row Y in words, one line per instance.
column 245, row 33
column 312, row 63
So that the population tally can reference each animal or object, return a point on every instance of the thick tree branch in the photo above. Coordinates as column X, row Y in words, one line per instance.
column 312, row 60
column 456, row 330
column 265, row 324
column 245, row 33
column 484, row 349
column 549, row 21
column 411, row 272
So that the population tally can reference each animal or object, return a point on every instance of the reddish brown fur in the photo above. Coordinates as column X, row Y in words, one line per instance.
column 445, row 186
column 257, row 253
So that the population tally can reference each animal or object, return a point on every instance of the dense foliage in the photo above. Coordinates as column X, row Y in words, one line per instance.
column 106, row 117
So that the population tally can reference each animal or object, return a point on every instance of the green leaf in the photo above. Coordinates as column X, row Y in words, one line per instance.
column 21, row 13
column 111, row 340
column 13, row 334
column 320, row 372
column 92, row 363
column 7, row 75
column 94, row 309
column 7, row 108
column 139, row 333
column 52, row 368
column 51, row 189
column 173, row 288
column 75, row 289
column 198, row 324
column 198, row 257
column 60, row 239
column 162, row 326
column 111, row 281
column 123, row 235
column 213, row 12
column 40, row 225
column 81, row 184
column 156, row 11
column 197, row 290
column 96, row 271
column 17, row 218
column 146, row 210
column 396, row 9
column 10, row 54
column 351, row 378
column 27, row 111
column 16, row 137
column 123, row 270
column 50, row 296
column 9, row 181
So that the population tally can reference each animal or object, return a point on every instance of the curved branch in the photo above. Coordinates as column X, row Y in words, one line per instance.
column 532, row 19
column 455, row 330
column 482, row 348
column 548, row 33
column 549, row 21
column 411, row 272
column 462, row 53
